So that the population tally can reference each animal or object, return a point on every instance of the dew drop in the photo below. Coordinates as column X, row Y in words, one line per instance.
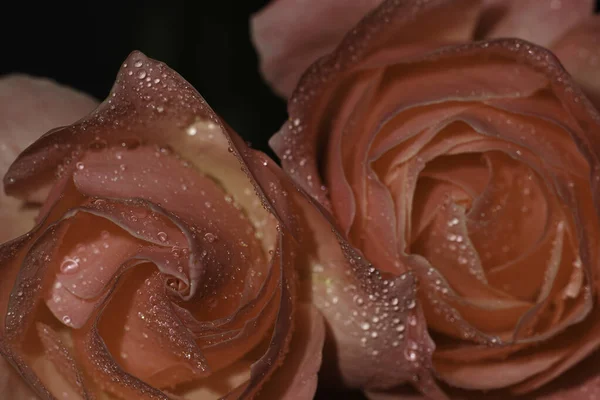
column 69, row 266
column 410, row 355
column 210, row 237
column 162, row 236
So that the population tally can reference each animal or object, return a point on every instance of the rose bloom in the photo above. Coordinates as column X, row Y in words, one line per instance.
column 142, row 255
column 473, row 167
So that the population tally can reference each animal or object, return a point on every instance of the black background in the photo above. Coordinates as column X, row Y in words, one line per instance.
column 207, row 42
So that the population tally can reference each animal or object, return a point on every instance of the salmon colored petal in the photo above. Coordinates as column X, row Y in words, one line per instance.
column 145, row 337
column 495, row 375
column 539, row 21
column 58, row 354
column 28, row 108
column 103, row 371
column 579, row 383
column 579, row 51
column 291, row 35
column 297, row 378
column 12, row 385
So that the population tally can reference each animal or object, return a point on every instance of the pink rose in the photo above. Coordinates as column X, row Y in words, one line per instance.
column 141, row 257
column 472, row 167
column 291, row 34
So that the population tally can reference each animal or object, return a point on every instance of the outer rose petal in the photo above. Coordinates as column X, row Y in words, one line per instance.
column 297, row 378
column 30, row 107
column 538, row 21
column 579, row 52
column 291, row 34
column 12, row 385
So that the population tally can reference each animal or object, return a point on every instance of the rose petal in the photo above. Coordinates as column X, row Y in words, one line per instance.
column 13, row 385
column 287, row 45
column 297, row 378
column 290, row 35
column 58, row 354
column 145, row 337
column 29, row 108
column 581, row 382
column 537, row 21
column 579, row 51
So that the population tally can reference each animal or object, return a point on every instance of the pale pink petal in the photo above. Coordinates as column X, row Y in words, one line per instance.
column 28, row 108
column 292, row 34
column 579, row 51
column 538, row 21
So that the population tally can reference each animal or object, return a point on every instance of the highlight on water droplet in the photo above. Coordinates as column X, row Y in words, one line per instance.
column 69, row 265
column 162, row 236
column 191, row 131
column 210, row 237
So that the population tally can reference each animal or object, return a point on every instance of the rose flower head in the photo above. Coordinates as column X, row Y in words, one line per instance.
column 151, row 263
column 473, row 167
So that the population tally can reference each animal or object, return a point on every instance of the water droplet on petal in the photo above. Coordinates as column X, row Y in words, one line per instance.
column 69, row 266
column 210, row 237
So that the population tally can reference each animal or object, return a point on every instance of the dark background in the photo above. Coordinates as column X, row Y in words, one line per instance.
column 207, row 42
